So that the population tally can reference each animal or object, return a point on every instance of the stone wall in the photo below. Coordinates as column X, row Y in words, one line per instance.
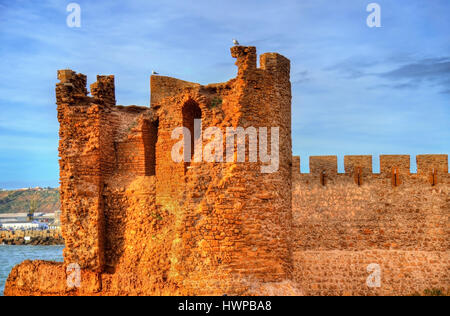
column 345, row 222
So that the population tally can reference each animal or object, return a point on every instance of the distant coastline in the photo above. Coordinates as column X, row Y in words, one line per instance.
column 51, row 237
column 30, row 216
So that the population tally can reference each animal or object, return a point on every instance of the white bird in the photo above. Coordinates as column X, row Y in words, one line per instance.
column 154, row 73
column 235, row 42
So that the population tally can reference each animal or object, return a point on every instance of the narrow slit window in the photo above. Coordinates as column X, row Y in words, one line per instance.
column 191, row 112
column 150, row 138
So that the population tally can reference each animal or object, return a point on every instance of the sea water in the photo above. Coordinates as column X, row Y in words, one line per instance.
column 13, row 255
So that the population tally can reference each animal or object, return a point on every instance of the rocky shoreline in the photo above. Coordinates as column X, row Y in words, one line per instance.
column 32, row 238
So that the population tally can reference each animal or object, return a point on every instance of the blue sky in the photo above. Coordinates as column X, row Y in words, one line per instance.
column 356, row 90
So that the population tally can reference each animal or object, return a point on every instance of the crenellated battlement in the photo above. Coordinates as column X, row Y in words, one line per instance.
column 432, row 163
column 363, row 165
column 72, row 89
column 104, row 90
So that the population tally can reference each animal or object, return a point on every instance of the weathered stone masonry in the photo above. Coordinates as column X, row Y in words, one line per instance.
column 345, row 222
column 138, row 223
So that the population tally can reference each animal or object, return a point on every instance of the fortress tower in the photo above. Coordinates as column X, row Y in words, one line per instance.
column 140, row 223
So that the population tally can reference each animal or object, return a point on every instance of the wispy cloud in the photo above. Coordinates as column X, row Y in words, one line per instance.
column 434, row 71
column 429, row 71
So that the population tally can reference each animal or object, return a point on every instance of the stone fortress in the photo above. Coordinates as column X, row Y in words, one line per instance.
column 138, row 223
